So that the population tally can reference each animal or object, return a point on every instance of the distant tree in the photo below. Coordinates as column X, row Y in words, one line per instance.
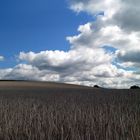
column 134, row 87
column 96, row 86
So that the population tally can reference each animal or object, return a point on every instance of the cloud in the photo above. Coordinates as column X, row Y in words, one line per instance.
column 85, row 63
column 76, row 59
column 119, row 27
column 128, row 16
column 129, row 56
column 1, row 58
column 109, row 7
column 129, row 59
column 93, row 36
column 124, row 13
column 73, row 61
column 29, row 72
column 4, row 72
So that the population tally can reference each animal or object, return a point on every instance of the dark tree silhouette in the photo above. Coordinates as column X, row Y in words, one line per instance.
column 96, row 86
column 134, row 87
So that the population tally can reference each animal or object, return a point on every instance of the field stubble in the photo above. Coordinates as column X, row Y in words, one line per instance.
column 70, row 114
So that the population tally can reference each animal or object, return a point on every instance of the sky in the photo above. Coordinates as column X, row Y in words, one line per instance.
column 33, row 25
column 84, row 42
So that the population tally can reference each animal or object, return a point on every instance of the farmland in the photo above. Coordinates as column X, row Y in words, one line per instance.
column 51, row 111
